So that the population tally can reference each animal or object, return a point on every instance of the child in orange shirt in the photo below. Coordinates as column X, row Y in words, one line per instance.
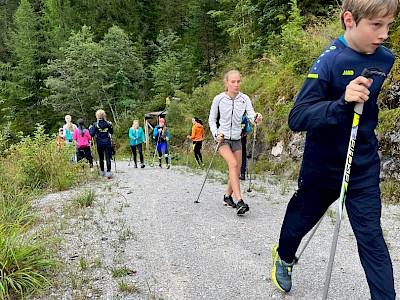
column 60, row 138
column 197, row 138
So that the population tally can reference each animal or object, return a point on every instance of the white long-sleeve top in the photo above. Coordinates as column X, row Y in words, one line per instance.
column 231, row 112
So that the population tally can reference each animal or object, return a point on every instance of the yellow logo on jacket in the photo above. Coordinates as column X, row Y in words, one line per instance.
column 348, row 73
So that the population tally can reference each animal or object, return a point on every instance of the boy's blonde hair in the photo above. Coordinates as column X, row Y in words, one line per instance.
column 100, row 114
column 369, row 9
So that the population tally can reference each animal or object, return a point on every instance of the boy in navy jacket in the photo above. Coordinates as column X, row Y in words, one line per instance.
column 325, row 108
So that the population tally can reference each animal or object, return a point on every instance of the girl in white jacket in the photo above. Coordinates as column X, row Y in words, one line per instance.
column 225, row 119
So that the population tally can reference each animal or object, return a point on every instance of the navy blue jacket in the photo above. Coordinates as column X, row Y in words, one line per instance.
column 320, row 109
column 103, row 131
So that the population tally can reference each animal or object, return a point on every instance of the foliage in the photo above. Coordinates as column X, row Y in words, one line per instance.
column 388, row 125
column 74, row 78
column 24, row 262
column 20, row 75
column 94, row 75
column 14, row 206
column 204, row 41
column 388, row 120
column 36, row 162
column 237, row 18
column 72, row 57
column 55, row 22
column 167, row 69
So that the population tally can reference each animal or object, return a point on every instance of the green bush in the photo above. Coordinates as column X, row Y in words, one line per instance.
column 36, row 162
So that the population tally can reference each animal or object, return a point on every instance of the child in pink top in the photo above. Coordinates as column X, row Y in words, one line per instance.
column 82, row 137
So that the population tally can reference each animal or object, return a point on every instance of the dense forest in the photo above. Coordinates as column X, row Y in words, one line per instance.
column 61, row 57
column 74, row 56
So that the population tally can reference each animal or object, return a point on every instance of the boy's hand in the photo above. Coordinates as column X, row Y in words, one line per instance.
column 357, row 90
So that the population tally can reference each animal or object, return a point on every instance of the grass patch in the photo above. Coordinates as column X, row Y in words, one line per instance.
column 25, row 263
column 390, row 189
column 127, row 287
column 122, row 272
column 126, row 234
column 15, row 207
column 83, row 263
column 85, row 199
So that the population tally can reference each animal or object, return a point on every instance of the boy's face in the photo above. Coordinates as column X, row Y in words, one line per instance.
column 367, row 35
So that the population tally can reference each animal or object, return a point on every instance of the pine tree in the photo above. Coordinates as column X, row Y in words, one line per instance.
column 21, row 84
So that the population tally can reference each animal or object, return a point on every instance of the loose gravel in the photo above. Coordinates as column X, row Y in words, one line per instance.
column 145, row 238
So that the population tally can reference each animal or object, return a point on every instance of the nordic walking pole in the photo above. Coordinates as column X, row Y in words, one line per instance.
column 296, row 259
column 115, row 163
column 252, row 156
column 113, row 153
column 95, row 153
column 187, row 152
column 154, row 156
column 130, row 158
column 155, row 151
column 358, row 110
column 255, row 98
column 208, row 170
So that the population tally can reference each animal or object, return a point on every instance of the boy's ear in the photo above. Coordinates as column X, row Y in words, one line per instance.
column 348, row 19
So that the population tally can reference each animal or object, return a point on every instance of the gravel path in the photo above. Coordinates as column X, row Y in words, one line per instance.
column 145, row 238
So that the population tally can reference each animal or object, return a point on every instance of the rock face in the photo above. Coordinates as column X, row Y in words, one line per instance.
column 390, row 141
column 296, row 145
column 390, row 158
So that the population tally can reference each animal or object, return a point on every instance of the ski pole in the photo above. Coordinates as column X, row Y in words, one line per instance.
column 358, row 110
column 208, row 170
column 252, row 156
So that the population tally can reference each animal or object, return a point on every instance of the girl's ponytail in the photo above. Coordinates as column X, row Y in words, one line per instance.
column 81, row 127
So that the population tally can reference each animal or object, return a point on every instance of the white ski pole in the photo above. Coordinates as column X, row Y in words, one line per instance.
column 358, row 110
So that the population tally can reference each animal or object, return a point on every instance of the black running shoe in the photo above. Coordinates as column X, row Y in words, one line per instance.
column 228, row 201
column 241, row 207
